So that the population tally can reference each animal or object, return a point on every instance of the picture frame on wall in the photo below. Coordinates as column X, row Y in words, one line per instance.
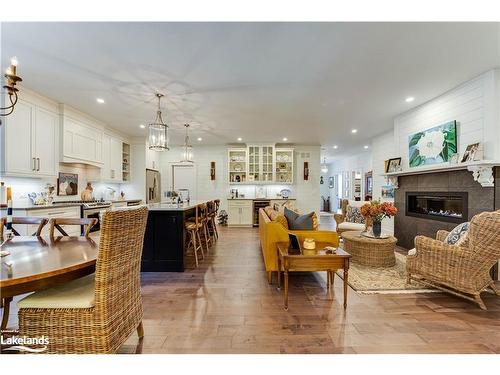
column 67, row 184
column 393, row 165
column 387, row 192
column 433, row 146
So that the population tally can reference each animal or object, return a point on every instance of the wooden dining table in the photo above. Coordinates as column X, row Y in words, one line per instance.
column 36, row 263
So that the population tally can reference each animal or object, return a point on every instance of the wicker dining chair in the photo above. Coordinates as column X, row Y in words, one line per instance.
column 193, row 227
column 55, row 223
column 460, row 270
column 96, row 313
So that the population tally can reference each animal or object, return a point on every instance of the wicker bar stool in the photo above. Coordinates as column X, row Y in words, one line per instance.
column 96, row 313
column 55, row 223
column 212, row 215
column 193, row 227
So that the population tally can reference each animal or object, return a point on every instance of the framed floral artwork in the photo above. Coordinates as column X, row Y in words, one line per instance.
column 433, row 146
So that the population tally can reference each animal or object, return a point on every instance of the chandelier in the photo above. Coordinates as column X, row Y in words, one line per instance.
column 324, row 167
column 158, row 131
column 10, row 87
column 187, row 152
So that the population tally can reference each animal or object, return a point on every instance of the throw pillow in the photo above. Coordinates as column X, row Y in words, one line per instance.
column 353, row 215
column 298, row 222
column 458, row 235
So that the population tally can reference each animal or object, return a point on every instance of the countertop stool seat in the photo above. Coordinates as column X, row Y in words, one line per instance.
column 193, row 227
column 212, row 215
column 204, row 219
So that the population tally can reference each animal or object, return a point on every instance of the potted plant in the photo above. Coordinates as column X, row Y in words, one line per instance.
column 375, row 211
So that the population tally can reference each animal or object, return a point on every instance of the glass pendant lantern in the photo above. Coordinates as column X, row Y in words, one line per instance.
column 158, row 131
column 187, row 149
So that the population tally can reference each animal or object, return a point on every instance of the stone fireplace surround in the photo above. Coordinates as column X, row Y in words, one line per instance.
column 479, row 199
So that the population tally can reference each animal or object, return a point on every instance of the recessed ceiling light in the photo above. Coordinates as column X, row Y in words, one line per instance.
column 285, row 139
column 100, row 100
column 354, row 131
column 365, row 147
column 142, row 126
column 335, row 147
column 409, row 99
column 239, row 139
column 200, row 139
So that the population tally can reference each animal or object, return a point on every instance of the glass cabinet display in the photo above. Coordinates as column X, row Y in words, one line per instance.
column 284, row 166
column 237, row 160
column 267, row 163
column 254, row 163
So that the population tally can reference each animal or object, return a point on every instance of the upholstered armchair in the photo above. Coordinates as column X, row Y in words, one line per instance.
column 460, row 270
column 342, row 224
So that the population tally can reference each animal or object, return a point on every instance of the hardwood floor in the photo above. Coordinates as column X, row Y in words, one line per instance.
column 227, row 306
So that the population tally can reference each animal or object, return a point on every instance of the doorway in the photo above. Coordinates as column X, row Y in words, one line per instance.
column 183, row 177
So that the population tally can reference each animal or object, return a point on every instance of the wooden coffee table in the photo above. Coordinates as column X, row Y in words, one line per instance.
column 373, row 252
column 312, row 261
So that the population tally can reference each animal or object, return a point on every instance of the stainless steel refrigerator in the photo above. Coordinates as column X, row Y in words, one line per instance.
column 153, row 186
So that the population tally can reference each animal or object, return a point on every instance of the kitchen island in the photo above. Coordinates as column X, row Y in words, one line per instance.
column 165, row 237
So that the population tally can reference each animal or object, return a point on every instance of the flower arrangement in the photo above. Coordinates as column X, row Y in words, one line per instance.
column 378, row 211
column 375, row 212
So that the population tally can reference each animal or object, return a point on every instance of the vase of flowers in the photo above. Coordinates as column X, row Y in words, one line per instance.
column 375, row 211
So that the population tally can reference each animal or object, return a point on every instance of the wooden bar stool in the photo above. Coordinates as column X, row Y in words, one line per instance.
column 55, row 223
column 193, row 227
column 212, row 215
column 204, row 221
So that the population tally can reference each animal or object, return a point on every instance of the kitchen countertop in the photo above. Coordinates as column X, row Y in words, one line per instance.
column 164, row 206
column 31, row 206
column 125, row 200
column 258, row 199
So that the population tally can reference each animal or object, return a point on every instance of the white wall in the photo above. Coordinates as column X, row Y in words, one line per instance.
column 473, row 104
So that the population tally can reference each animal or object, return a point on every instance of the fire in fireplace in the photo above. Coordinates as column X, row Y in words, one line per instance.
column 443, row 206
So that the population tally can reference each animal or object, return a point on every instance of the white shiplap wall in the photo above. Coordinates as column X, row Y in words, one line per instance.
column 473, row 105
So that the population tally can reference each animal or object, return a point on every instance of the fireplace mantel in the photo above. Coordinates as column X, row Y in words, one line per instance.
column 482, row 171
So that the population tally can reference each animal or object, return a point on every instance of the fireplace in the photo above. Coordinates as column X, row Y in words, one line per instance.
column 442, row 206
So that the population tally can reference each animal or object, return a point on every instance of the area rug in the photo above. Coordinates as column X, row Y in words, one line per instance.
column 375, row 280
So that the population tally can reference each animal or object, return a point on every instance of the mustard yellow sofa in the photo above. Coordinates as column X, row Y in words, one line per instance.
column 273, row 228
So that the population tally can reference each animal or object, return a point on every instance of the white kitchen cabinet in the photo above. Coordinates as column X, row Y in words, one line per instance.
column 240, row 212
column 29, row 140
column 81, row 143
column 46, row 142
column 111, row 170
column 260, row 163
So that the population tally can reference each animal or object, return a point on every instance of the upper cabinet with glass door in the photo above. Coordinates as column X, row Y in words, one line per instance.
column 260, row 163
column 284, row 165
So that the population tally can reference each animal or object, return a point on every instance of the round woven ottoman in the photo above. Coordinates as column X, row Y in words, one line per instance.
column 373, row 252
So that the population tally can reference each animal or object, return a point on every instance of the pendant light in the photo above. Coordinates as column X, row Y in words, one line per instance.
column 324, row 168
column 158, row 131
column 187, row 152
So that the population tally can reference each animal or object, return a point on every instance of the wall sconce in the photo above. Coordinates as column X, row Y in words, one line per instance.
column 212, row 170
column 10, row 87
column 306, row 171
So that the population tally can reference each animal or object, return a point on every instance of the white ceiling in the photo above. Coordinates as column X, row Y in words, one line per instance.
column 309, row 82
